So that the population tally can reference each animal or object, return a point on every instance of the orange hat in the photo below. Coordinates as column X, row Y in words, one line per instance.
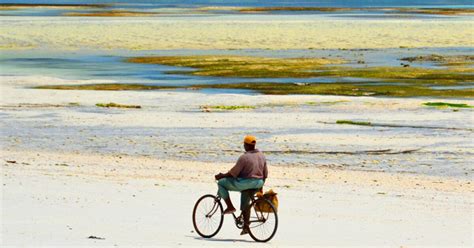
column 249, row 139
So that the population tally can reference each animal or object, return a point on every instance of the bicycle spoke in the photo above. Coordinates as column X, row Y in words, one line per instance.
column 206, row 222
column 263, row 223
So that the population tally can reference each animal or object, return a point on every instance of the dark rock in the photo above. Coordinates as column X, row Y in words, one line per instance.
column 95, row 237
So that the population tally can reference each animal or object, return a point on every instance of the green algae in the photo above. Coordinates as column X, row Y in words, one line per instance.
column 279, row 104
column 375, row 81
column 113, row 87
column 116, row 105
column 111, row 13
column 261, row 67
column 345, row 89
column 227, row 107
column 447, row 60
column 340, row 89
column 241, row 66
column 349, row 122
column 426, row 11
column 326, row 102
column 437, row 11
column 387, row 125
column 447, row 105
column 403, row 81
column 321, row 9
column 412, row 75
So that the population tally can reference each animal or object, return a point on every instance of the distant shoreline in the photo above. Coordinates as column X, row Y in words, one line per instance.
column 32, row 5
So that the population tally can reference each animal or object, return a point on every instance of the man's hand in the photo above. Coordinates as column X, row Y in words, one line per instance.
column 222, row 175
column 219, row 176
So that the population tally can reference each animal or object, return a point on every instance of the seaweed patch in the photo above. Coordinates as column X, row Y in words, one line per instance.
column 116, row 105
column 447, row 105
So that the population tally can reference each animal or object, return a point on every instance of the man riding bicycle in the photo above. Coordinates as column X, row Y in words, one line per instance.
column 250, row 172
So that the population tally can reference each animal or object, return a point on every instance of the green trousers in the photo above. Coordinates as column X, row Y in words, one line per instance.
column 239, row 184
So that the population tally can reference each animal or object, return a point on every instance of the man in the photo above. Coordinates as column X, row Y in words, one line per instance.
column 250, row 172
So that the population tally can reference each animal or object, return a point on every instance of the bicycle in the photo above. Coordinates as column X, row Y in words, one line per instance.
column 208, row 217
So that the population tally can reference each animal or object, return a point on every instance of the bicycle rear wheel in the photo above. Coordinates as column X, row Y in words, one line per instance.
column 208, row 216
column 263, row 220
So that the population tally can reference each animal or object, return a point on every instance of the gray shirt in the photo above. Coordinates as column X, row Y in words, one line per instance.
column 251, row 164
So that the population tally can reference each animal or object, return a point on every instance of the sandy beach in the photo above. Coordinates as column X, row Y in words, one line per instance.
column 63, row 198
column 231, row 32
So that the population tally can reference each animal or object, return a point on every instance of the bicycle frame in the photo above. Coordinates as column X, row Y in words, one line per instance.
column 239, row 222
column 214, row 208
column 257, row 217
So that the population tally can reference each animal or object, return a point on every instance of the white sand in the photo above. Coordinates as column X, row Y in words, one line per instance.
column 231, row 32
column 63, row 198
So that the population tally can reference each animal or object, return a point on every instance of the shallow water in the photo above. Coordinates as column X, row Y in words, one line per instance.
column 311, row 3
column 188, row 7
column 110, row 65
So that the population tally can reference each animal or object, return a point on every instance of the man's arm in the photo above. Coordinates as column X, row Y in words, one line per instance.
column 222, row 175
column 265, row 171
column 234, row 171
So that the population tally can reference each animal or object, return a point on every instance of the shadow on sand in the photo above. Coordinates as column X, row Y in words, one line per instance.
column 220, row 240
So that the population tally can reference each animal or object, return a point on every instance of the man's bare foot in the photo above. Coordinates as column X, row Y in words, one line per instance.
column 245, row 230
column 229, row 211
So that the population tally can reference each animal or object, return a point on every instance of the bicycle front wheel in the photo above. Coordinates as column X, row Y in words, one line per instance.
column 208, row 216
column 263, row 220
